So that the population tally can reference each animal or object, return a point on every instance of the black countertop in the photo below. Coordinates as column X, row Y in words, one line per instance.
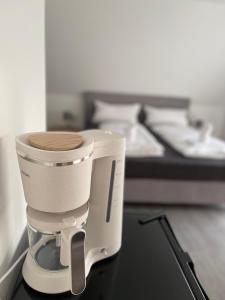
column 150, row 265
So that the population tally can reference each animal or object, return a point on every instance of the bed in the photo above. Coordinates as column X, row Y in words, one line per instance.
column 171, row 178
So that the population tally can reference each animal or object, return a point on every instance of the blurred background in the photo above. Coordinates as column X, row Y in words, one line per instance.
column 149, row 47
column 153, row 70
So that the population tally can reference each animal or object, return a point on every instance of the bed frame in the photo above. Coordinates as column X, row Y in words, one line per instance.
column 142, row 190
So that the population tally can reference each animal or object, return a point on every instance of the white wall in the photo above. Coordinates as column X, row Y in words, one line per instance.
column 22, row 108
column 172, row 47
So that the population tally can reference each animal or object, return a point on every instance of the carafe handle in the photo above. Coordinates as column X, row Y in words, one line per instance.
column 77, row 263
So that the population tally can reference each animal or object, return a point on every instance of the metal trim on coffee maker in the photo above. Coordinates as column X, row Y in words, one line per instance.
column 54, row 164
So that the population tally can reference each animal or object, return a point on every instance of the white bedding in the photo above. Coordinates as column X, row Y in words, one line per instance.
column 139, row 141
column 161, row 115
column 186, row 140
column 107, row 112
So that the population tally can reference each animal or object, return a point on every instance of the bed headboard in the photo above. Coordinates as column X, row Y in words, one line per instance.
column 120, row 98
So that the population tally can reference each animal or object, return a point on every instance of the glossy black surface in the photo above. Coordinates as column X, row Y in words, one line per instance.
column 147, row 267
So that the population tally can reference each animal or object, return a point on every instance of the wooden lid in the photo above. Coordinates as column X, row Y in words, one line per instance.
column 55, row 141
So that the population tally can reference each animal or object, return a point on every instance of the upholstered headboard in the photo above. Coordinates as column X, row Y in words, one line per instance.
column 120, row 98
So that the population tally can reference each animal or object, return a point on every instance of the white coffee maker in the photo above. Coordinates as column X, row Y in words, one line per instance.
column 73, row 185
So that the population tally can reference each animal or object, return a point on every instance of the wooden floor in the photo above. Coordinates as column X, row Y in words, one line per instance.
column 201, row 232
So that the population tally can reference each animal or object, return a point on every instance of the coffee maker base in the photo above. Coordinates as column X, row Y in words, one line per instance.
column 56, row 282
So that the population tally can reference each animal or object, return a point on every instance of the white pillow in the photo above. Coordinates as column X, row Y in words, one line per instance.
column 174, row 116
column 116, row 112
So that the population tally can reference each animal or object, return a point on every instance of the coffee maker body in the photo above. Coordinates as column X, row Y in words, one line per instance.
column 75, row 208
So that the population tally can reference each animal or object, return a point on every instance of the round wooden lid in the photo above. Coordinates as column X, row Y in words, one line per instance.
column 55, row 141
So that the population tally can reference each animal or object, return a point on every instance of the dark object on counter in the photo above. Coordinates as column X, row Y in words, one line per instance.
column 150, row 265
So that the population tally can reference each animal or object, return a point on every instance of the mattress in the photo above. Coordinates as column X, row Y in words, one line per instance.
column 139, row 141
column 191, row 142
column 173, row 166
